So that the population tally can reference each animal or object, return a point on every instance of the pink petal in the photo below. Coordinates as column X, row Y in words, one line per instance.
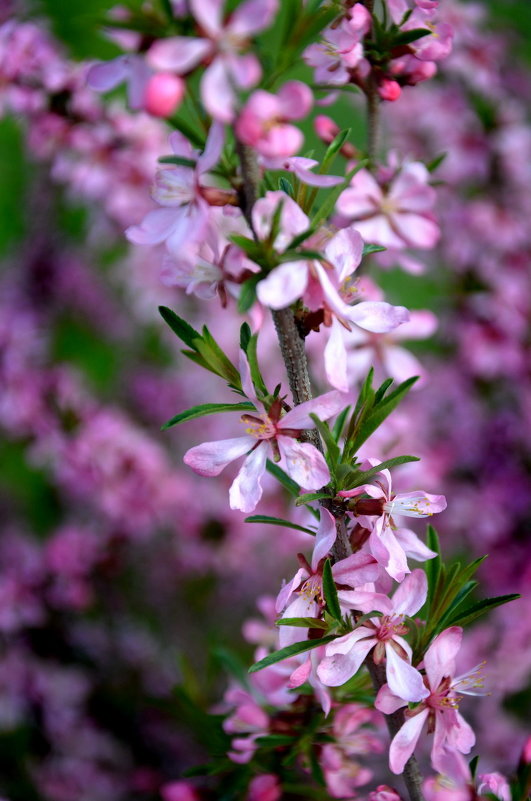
column 312, row 178
column 208, row 13
column 178, row 53
column 189, row 226
column 378, row 230
column 325, row 537
column 387, row 550
column 252, row 16
column 300, row 674
column 303, row 463
column 245, row 70
column 400, row 364
column 416, row 504
column 210, row 458
column 286, row 591
column 366, row 601
column 281, row 141
column 213, row 148
column 421, row 325
column 405, row 740
column 284, row 285
column 246, row 490
column 139, row 75
column 417, row 230
column 377, row 316
column 386, row 702
column 338, row 668
column 300, row 607
column 413, row 546
column 356, row 570
column 344, row 251
column 324, row 406
column 461, row 736
column 335, row 358
column 439, row 659
column 410, row 191
column 403, row 679
column 363, row 196
column 217, row 92
column 411, row 594
column 109, row 74
column 156, row 226
column 296, row 100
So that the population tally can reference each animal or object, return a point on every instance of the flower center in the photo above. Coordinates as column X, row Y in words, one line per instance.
column 260, row 427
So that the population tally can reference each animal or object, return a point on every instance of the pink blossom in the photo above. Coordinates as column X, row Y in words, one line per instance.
column 181, row 193
column 384, row 793
column 345, row 655
column 440, row 708
column 494, row 783
column 397, row 217
column 222, row 46
column 389, row 544
column 264, row 787
column 262, row 123
column 341, row 49
column 270, row 434
column 131, row 69
column 179, row 791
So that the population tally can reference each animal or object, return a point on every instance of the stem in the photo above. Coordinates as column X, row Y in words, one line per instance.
column 294, row 355
column 373, row 106
column 411, row 773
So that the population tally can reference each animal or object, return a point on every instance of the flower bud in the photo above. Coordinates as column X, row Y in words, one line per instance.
column 163, row 95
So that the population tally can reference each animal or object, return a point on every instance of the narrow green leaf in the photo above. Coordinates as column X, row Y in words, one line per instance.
column 249, row 246
column 196, row 357
column 362, row 477
column 290, row 650
column 277, row 521
column 189, row 131
column 332, row 448
column 432, row 568
column 336, row 144
column 432, row 165
column 303, row 622
column 226, row 368
column 380, row 392
column 481, row 608
column 406, row 37
column 179, row 326
column 275, row 740
column 247, row 295
column 368, row 249
column 463, row 593
column 473, row 765
column 379, row 413
column 330, row 591
column 285, row 186
column 339, row 425
column 180, row 161
column 256, row 375
column 300, row 238
column 300, row 255
column 245, row 336
column 291, row 486
column 205, row 409
column 311, row 496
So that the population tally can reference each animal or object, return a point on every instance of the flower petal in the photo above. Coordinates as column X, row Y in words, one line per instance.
column 403, row 679
column 439, row 659
column 246, row 490
column 210, row 458
column 338, row 668
column 303, row 463
column 324, row 406
column 378, row 316
column 325, row 538
column 405, row 740
column 178, row 53
column 284, row 285
column 411, row 594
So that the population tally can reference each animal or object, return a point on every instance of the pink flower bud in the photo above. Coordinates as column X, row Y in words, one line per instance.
column 325, row 128
column 264, row 788
column 179, row 791
column 389, row 90
column 384, row 793
column 526, row 752
column 496, row 784
column 164, row 93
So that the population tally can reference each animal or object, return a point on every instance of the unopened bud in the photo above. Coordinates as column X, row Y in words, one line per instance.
column 384, row 793
column 164, row 93
column 389, row 90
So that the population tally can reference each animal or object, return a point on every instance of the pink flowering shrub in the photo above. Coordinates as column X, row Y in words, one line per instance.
column 301, row 266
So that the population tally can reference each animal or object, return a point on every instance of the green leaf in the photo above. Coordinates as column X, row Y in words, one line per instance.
column 285, row 186
column 339, row 425
column 205, row 409
column 189, row 131
column 406, row 37
column 245, row 336
column 275, row 740
column 300, row 238
column 303, row 622
column 277, row 521
column 432, row 165
column 380, row 392
column 291, row 486
column 253, row 249
column 336, row 144
column 225, row 367
column 362, row 477
column 247, row 295
column 290, row 650
column 256, row 375
column 300, row 255
column 473, row 765
column 368, row 249
column 374, row 417
column 180, row 161
column 463, row 593
column 332, row 448
column 330, row 592
column 476, row 610
column 311, row 496
column 179, row 326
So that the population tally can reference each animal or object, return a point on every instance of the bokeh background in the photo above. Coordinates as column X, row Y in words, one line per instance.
column 125, row 580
